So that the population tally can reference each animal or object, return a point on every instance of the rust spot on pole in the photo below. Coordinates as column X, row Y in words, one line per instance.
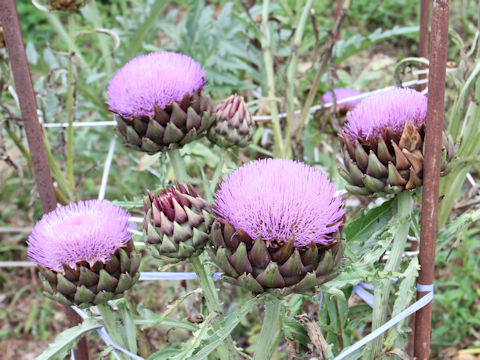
column 28, row 107
column 431, row 175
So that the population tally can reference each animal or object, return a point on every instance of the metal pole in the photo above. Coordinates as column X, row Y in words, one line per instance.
column 431, row 174
column 423, row 53
column 28, row 106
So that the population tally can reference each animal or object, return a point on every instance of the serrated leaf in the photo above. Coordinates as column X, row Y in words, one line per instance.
column 226, row 327
column 149, row 319
column 456, row 227
column 368, row 222
column 67, row 339
column 294, row 330
column 197, row 340
column 164, row 354
column 381, row 242
column 128, row 331
column 346, row 48
column 406, row 293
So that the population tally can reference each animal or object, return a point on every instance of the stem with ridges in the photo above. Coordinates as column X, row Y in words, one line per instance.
column 226, row 351
column 273, row 306
column 291, row 72
column 70, row 100
column 97, row 22
column 108, row 316
column 178, row 165
column 382, row 291
column 268, row 59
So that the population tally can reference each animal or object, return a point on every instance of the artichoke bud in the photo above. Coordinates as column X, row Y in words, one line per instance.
column 86, row 285
column 176, row 223
column 234, row 124
column 66, row 5
column 275, row 267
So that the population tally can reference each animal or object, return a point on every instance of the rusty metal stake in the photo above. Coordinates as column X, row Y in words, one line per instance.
column 423, row 53
column 28, row 106
column 431, row 174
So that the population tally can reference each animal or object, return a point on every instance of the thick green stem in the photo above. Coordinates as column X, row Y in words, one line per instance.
column 273, row 305
column 291, row 72
column 70, row 100
column 382, row 290
column 108, row 316
column 226, row 351
column 60, row 30
column 206, row 282
column 97, row 22
column 268, row 60
column 178, row 165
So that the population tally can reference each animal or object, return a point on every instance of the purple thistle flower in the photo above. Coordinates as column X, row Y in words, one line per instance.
column 278, row 199
column 154, row 80
column 85, row 231
column 340, row 94
column 386, row 109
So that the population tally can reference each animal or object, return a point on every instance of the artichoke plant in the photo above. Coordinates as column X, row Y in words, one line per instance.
column 278, row 227
column 85, row 253
column 234, row 125
column 158, row 102
column 177, row 222
column 383, row 143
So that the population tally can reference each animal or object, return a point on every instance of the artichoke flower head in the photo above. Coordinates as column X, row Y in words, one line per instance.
column 383, row 143
column 158, row 101
column 85, row 252
column 278, row 227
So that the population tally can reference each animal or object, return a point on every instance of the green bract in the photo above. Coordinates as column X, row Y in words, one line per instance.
column 86, row 285
column 170, row 128
column 282, row 270
column 388, row 165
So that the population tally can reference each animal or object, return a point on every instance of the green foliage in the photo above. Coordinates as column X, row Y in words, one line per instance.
column 66, row 340
column 215, row 40
column 456, row 293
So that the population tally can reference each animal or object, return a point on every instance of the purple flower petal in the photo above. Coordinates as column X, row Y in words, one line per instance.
column 278, row 199
column 85, row 231
column 154, row 80
column 386, row 109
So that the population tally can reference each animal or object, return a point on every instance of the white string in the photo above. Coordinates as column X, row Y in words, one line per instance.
column 106, row 170
column 256, row 117
column 392, row 322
